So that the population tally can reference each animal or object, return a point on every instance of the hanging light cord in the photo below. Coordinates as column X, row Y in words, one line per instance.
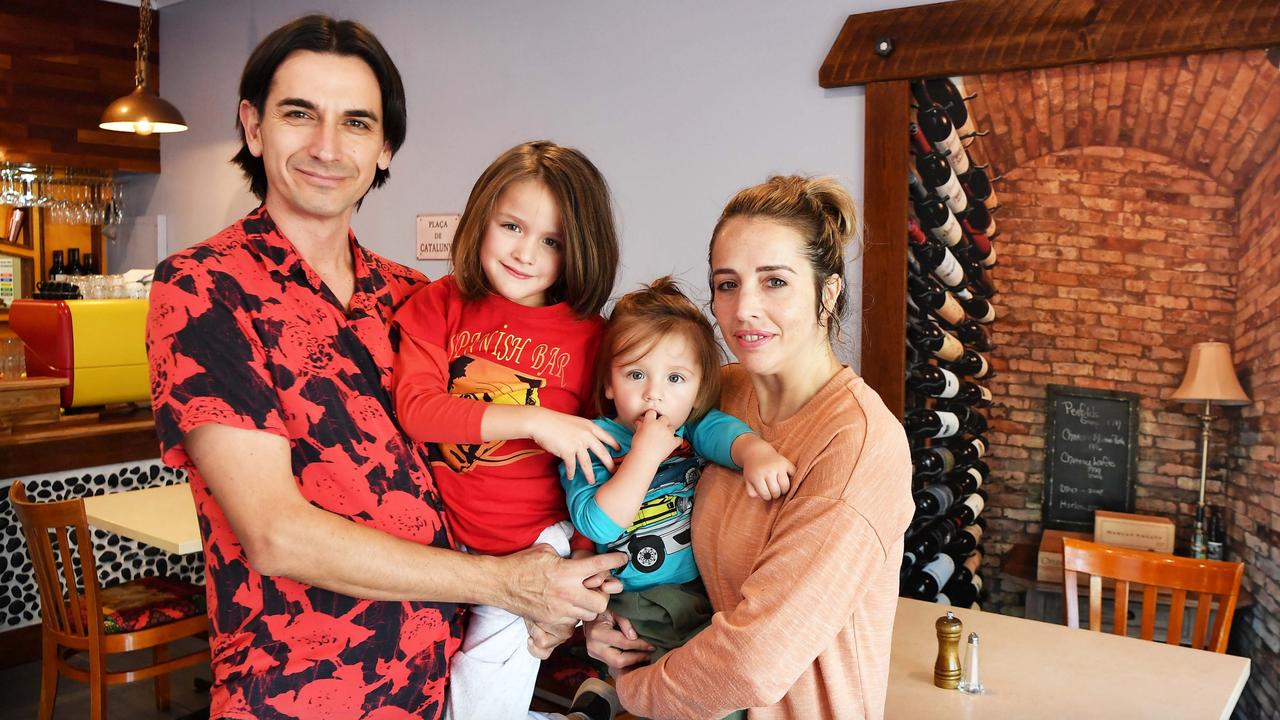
column 144, row 32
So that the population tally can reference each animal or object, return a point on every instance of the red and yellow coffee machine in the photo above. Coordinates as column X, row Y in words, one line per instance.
column 99, row 346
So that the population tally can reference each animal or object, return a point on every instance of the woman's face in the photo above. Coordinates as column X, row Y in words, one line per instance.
column 763, row 295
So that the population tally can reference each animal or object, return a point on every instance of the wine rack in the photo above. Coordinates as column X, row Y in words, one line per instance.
column 950, row 235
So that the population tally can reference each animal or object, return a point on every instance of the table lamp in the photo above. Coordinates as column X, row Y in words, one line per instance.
column 1211, row 378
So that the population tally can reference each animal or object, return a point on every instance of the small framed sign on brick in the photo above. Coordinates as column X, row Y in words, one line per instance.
column 435, row 235
column 1091, row 454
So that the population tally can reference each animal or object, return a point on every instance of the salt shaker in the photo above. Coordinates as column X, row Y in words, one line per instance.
column 946, row 669
column 970, row 682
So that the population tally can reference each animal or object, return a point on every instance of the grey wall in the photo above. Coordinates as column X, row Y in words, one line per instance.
column 679, row 103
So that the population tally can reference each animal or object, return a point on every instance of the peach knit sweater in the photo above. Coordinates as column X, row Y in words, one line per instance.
column 805, row 587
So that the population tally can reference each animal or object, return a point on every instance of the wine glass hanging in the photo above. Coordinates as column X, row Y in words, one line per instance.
column 69, row 196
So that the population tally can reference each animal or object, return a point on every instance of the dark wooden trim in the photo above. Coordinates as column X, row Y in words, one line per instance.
column 968, row 37
column 77, row 442
column 884, row 262
column 20, row 646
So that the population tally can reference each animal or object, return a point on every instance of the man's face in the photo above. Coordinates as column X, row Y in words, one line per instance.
column 319, row 135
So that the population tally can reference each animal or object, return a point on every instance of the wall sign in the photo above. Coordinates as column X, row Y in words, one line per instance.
column 1091, row 454
column 435, row 235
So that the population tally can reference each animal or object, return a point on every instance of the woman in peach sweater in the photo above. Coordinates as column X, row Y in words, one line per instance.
column 804, row 587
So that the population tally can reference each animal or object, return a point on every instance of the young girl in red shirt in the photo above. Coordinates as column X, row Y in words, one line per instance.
column 494, row 371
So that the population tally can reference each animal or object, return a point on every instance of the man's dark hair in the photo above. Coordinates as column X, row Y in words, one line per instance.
column 321, row 34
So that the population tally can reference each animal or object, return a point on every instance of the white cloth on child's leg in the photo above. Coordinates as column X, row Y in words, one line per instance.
column 493, row 674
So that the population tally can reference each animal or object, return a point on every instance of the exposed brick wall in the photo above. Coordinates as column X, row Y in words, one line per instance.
column 1114, row 261
column 1253, row 492
column 1214, row 112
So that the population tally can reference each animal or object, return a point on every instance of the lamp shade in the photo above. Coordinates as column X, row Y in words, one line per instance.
column 1211, row 376
column 143, row 113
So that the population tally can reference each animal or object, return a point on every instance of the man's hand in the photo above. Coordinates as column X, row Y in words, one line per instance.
column 766, row 472
column 545, row 638
column 541, row 586
column 613, row 640
column 574, row 440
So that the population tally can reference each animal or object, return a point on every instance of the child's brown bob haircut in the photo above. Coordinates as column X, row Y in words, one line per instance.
column 640, row 320
column 586, row 217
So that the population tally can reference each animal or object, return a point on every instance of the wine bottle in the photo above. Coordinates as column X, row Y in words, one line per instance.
column 73, row 262
column 927, row 336
column 977, row 185
column 933, row 381
column 937, row 174
column 938, row 219
column 971, row 421
column 980, row 219
column 971, row 364
column 56, row 267
column 979, row 309
column 925, row 583
column 1215, row 535
column 936, row 125
column 964, row 542
column 89, row 265
column 960, row 593
column 973, row 394
column 929, row 540
column 934, row 257
column 966, row 452
column 932, row 499
column 931, row 297
column 967, row 510
column 931, row 461
column 944, row 92
column 973, row 335
column 979, row 246
column 964, row 481
column 930, row 423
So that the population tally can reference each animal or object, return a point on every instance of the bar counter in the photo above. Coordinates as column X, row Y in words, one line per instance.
column 79, row 440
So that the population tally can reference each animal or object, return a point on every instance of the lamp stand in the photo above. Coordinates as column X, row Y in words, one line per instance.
column 1199, row 548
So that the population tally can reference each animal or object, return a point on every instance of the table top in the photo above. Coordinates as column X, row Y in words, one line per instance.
column 161, row 516
column 1036, row 669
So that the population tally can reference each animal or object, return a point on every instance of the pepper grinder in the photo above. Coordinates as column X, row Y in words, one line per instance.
column 970, row 682
column 946, row 670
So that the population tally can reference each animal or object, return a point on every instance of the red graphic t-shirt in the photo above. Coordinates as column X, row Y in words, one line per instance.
column 455, row 358
column 242, row 332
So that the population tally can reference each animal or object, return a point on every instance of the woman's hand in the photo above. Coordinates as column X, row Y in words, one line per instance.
column 613, row 640
column 766, row 472
column 572, row 439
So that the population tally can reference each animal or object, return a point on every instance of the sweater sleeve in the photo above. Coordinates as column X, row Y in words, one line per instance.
column 420, row 372
column 811, row 575
column 713, row 435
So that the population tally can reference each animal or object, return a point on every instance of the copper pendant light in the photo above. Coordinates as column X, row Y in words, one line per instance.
column 140, row 111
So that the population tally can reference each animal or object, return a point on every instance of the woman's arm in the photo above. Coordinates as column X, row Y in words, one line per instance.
column 815, row 570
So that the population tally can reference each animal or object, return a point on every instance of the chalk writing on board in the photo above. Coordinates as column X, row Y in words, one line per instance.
column 1090, row 454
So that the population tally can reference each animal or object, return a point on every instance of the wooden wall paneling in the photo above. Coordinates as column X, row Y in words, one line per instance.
column 61, row 63
column 984, row 36
column 884, row 263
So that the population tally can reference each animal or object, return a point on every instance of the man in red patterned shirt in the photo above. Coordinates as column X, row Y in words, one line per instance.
column 333, row 586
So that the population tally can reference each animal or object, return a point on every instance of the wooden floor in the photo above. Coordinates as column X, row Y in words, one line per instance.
column 20, row 690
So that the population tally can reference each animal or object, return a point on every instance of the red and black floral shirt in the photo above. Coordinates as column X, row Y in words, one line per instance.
column 242, row 332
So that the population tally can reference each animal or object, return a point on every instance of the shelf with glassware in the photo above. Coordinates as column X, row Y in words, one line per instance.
column 950, row 233
column 53, row 220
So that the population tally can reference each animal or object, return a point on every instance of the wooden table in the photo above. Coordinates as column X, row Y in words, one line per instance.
column 1037, row 670
column 161, row 516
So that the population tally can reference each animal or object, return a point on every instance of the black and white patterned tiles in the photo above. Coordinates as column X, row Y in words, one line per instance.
column 119, row 560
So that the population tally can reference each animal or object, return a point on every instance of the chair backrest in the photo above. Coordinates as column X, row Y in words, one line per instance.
column 1210, row 580
column 61, row 547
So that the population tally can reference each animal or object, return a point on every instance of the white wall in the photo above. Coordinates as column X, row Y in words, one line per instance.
column 680, row 104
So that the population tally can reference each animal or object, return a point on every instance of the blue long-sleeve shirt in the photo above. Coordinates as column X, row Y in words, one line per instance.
column 657, row 541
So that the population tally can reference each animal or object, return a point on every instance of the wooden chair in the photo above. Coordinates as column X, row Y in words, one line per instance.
column 140, row 614
column 1209, row 579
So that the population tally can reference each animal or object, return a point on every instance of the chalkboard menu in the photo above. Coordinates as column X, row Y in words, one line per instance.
column 1091, row 455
